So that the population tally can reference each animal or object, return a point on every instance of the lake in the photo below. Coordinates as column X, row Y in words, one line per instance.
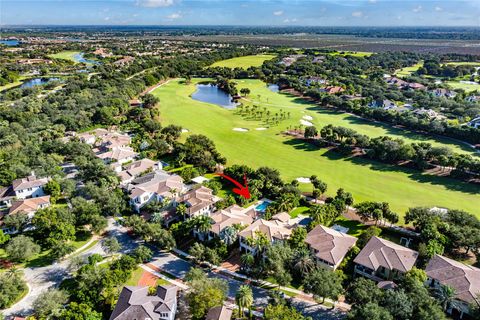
column 80, row 59
column 10, row 42
column 211, row 94
column 37, row 82
column 273, row 87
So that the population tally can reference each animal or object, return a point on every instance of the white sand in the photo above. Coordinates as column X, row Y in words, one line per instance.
column 184, row 130
column 307, row 118
column 260, row 129
column 306, row 123
column 303, row 180
column 240, row 129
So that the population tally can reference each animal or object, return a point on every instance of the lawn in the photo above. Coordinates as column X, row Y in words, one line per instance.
column 299, row 210
column 407, row 71
column 367, row 180
column 469, row 63
column 65, row 55
column 136, row 275
column 465, row 86
column 244, row 62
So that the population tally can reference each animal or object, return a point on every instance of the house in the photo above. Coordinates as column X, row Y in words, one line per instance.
column 464, row 279
column 117, row 154
column 124, row 61
column 233, row 215
column 199, row 201
column 102, row 52
column 136, row 168
column 34, row 61
column 318, row 59
column 219, row 313
column 429, row 113
column 30, row 205
column 473, row 98
column 381, row 259
column 475, row 123
column 394, row 81
column 314, row 80
column 103, row 138
column 416, row 86
column 158, row 186
column 29, row 187
column 443, row 93
column 134, row 302
column 291, row 59
column 329, row 246
column 332, row 89
column 7, row 195
column 384, row 104
column 134, row 103
column 276, row 230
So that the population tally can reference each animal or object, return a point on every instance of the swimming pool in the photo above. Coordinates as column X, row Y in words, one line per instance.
column 262, row 206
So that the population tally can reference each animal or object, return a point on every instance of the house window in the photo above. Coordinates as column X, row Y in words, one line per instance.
column 29, row 189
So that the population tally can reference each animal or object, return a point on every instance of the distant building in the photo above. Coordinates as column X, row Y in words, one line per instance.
column 464, row 279
column 381, row 259
column 329, row 246
column 475, row 123
column 117, row 154
column 383, row 104
column 472, row 98
column 134, row 103
column 429, row 113
column 124, row 61
column 443, row 93
column 136, row 168
column 134, row 303
column 332, row 89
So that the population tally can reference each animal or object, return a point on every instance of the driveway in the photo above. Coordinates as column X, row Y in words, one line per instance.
column 41, row 279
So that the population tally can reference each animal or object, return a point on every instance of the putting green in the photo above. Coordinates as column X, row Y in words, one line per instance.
column 367, row 180
column 244, row 62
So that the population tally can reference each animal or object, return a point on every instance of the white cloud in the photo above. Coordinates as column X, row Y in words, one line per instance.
column 437, row 8
column 155, row 3
column 357, row 14
column 417, row 9
column 290, row 20
column 372, row 1
column 277, row 13
column 106, row 18
column 174, row 16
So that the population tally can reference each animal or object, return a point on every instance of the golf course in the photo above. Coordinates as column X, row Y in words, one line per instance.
column 243, row 140
column 244, row 62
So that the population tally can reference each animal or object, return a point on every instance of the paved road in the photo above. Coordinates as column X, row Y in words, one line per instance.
column 42, row 278
column 179, row 267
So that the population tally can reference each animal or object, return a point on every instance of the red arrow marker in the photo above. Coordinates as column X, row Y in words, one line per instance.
column 241, row 190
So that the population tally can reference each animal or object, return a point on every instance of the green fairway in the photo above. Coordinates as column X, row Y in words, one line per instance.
column 407, row 71
column 465, row 86
column 352, row 53
column 367, row 180
column 244, row 62
column 65, row 55
column 469, row 63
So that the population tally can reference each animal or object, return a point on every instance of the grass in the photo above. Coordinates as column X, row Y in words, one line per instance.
column 65, row 55
column 136, row 276
column 299, row 210
column 407, row 71
column 367, row 180
column 355, row 228
column 14, row 84
column 475, row 64
column 352, row 53
column 244, row 62
column 465, row 86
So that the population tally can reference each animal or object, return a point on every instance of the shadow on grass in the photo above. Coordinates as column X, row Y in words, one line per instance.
column 301, row 144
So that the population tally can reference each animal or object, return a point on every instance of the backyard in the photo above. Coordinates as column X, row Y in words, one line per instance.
column 260, row 144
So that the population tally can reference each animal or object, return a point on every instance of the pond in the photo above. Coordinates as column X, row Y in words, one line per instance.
column 273, row 87
column 37, row 81
column 10, row 42
column 211, row 94
column 80, row 59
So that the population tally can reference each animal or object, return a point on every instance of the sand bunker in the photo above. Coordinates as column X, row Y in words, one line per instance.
column 240, row 129
column 260, row 129
column 307, row 118
column 184, row 130
column 306, row 123
column 303, row 180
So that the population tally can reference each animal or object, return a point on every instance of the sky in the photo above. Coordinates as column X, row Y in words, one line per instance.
column 242, row 12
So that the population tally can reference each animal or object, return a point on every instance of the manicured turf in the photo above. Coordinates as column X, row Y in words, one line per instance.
column 407, row 71
column 65, row 55
column 469, row 63
column 465, row 86
column 352, row 53
column 367, row 180
column 244, row 62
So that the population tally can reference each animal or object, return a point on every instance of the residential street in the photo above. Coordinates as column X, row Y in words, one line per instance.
column 42, row 278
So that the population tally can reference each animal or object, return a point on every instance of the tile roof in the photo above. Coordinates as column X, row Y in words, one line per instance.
column 135, row 303
column 272, row 229
column 380, row 252
column 30, row 205
column 159, row 183
column 117, row 153
column 231, row 216
column 329, row 245
column 197, row 199
column 463, row 278
column 136, row 168
column 219, row 313
column 28, row 182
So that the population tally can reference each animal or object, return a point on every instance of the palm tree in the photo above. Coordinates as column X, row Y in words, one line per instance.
column 157, row 217
column 445, row 296
column 228, row 235
column 181, row 210
column 244, row 299
column 203, row 224
column 247, row 260
column 304, row 262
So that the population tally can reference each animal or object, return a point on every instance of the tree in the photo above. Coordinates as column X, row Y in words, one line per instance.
column 195, row 274
column 12, row 286
column 398, row 303
column 49, row 303
column 80, row 311
column 149, row 100
column 60, row 249
column 245, row 91
column 54, row 190
column 197, row 250
column 370, row 311
column 282, row 312
column 181, row 210
column 247, row 260
column 324, row 284
column 303, row 262
column 21, row 248
column 297, row 239
column 203, row 224
column 17, row 221
column 244, row 298
column 142, row 254
column 310, row 132
column 228, row 235
column 3, row 237
column 363, row 291
column 206, row 294
column 445, row 296
column 111, row 245
column 371, row 231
